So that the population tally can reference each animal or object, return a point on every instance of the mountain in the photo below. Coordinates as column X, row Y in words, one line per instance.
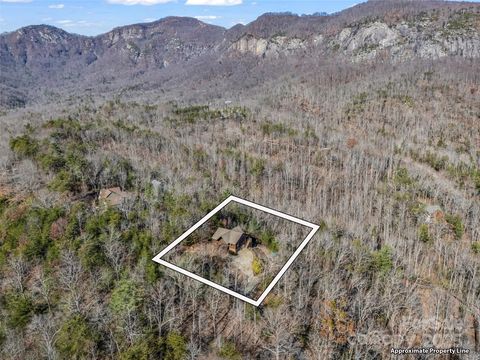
column 365, row 122
column 40, row 57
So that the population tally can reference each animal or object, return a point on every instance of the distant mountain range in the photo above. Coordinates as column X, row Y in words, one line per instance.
column 39, row 60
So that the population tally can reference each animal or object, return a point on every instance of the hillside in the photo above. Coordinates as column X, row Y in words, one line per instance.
column 365, row 122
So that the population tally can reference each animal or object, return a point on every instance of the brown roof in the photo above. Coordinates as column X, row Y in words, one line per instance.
column 229, row 236
column 219, row 233
column 113, row 196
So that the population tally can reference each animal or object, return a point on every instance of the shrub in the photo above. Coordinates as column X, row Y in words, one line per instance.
column 273, row 301
column 476, row 247
column 176, row 347
column 456, row 224
column 126, row 297
column 141, row 241
column 37, row 228
column 323, row 226
column 462, row 21
column 279, row 129
column 257, row 167
column 170, row 231
column 140, row 350
column 476, row 180
column 402, row 178
column 68, row 126
column 177, row 205
column 382, row 260
column 36, row 247
column 360, row 99
column 438, row 163
column 72, row 229
column 65, row 181
column 3, row 204
column 117, row 171
column 407, row 100
column 52, row 160
column 145, row 347
column 152, row 271
column 417, row 209
column 267, row 238
column 257, row 267
column 424, row 234
column 251, row 312
column 190, row 114
column 12, row 228
column 229, row 351
column 24, row 146
column 76, row 338
column 91, row 252
column 98, row 223
column 309, row 133
column 19, row 309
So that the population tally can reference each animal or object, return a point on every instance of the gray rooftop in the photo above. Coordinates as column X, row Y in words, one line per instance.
column 229, row 236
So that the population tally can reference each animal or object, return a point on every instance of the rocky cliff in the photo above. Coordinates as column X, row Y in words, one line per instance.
column 37, row 56
column 424, row 37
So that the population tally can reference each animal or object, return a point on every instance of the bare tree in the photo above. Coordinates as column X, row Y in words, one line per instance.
column 44, row 326
column 70, row 274
column 114, row 250
column 19, row 270
column 279, row 328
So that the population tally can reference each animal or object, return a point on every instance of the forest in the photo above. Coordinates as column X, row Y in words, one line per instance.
column 384, row 155
column 239, row 248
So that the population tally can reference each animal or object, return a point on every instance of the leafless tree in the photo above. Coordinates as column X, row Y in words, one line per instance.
column 70, row 274
column 44, row 326
column 114, row 251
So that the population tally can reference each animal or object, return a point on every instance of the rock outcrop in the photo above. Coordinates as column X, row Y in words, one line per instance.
column 398, row 31
column 270, row 47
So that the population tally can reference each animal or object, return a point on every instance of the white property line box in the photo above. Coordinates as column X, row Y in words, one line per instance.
column 269, row 288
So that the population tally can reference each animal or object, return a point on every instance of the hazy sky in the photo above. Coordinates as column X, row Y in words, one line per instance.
column 91, row 17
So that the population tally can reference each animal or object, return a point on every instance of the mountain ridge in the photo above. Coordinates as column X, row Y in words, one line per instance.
column 44, row 56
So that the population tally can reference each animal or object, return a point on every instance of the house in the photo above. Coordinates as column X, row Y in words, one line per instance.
column 234, row 238
column 113, row 197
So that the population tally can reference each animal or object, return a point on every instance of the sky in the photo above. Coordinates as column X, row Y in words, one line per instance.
column 92, row 17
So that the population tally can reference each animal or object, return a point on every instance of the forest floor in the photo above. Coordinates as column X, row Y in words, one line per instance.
column 208, row 248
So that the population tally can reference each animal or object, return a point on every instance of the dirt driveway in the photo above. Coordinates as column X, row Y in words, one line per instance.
column 243, row 262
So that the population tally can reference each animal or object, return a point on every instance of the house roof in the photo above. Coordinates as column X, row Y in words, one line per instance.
column 219, row 233
column 229, row 236
column 113, row 196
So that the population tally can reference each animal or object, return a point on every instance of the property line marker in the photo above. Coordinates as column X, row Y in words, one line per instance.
column 231, row 198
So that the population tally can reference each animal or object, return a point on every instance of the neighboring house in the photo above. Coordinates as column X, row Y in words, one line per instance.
column 234, row 238
column 113, row 197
